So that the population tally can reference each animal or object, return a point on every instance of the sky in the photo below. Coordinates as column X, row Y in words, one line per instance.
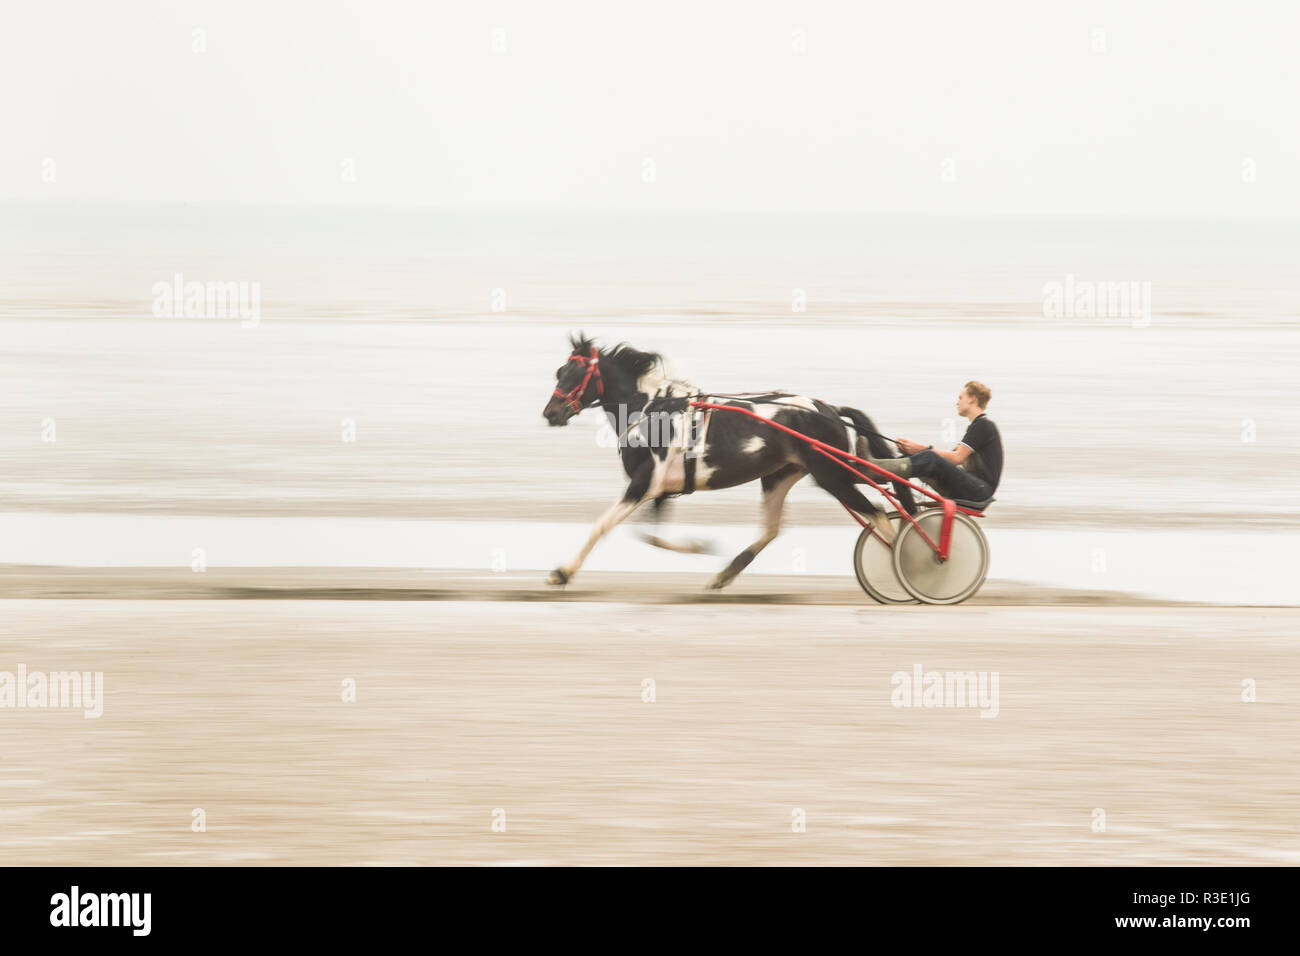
column 931, row 108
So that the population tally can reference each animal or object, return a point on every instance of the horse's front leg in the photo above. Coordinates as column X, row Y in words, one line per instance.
column 637, row 493
column 688, row 546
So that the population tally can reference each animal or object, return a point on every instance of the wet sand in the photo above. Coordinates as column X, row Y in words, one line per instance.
column 535, row 708
column 402, row 584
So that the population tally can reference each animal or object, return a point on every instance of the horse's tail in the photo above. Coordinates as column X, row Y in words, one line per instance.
column 880, row 447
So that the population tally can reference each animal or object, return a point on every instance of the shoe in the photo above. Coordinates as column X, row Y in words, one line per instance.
column 902, row 467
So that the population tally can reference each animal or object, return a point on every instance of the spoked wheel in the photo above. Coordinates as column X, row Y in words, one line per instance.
column 928, row 579
column 873, row 560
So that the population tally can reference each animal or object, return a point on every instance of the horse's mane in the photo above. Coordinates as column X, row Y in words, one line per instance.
column 625, row 356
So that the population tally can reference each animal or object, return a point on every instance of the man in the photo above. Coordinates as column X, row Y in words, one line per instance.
column 970, row 471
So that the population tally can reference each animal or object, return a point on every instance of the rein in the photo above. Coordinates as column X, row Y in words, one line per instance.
column 743, row 396
column 573, row 397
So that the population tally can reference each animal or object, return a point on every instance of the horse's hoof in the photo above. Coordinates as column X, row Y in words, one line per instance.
column 718, row 583
column 557, row 578
column 884, row 528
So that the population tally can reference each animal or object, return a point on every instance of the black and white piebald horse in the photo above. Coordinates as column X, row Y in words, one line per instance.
column 669, row 448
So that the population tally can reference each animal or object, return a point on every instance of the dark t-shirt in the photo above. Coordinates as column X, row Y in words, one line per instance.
column 985, row 443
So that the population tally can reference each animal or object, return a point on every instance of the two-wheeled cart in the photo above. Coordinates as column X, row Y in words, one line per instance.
column 937, row 556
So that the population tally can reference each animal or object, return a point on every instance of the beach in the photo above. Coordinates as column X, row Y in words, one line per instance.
column 617, row 733
column 306, row 550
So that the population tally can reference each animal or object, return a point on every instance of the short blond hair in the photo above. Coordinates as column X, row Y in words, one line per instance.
column 980, row 392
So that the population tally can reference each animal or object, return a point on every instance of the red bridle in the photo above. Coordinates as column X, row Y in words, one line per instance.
column 574, row 396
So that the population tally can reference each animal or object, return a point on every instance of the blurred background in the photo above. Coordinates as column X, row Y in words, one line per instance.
column 867, row 205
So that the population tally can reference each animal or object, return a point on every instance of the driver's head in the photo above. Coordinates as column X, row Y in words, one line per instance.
column 974, row 397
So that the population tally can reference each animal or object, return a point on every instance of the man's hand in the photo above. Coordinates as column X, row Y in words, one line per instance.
column 910, row 447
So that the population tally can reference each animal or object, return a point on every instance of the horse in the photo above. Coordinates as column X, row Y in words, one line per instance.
column 669, row 448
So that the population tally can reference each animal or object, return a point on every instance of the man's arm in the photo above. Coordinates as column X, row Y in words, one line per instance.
column 956, row 456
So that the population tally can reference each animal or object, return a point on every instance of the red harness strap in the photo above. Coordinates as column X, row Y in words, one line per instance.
column 573, row 397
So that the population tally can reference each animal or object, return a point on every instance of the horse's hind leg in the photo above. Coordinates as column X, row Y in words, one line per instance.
column 839, row 482
column 775, row 487
column 877, row 448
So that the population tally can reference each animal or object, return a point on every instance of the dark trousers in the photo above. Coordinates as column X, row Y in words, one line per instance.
column 951, row 481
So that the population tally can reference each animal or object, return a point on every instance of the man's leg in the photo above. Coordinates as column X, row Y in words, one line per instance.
column 952, row 481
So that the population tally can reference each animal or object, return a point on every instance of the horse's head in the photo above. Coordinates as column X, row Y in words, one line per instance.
column 578, row 382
